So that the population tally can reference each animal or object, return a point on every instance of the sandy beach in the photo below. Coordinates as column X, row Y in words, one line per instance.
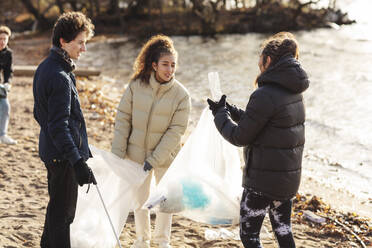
column 23, row 181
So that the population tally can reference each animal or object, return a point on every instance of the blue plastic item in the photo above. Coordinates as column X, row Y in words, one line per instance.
column 194, row 196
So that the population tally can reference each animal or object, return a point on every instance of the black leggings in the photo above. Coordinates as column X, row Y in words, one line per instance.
column 253, row 209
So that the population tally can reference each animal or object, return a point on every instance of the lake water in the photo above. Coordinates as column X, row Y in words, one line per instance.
column 339, row 102
column 338, row 150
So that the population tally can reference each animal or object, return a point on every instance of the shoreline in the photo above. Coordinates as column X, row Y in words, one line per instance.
column 23, row 176
column 337, row 199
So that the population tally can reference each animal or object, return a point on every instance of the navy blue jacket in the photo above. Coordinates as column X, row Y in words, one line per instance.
column 271, row 130
column 57, row 109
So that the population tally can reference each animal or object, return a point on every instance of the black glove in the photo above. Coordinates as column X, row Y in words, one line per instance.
column 84, row 174
column 234, row 112
column 147, row 166
column 229, row 107
column 215, row 106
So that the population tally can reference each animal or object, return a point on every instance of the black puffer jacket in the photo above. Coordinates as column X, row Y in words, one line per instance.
column 271, row 129
column 6, row 64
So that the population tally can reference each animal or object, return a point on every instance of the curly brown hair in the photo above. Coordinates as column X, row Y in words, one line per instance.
column 5, row 30
column 69, row 25
column 278, row 45
column 151, row 51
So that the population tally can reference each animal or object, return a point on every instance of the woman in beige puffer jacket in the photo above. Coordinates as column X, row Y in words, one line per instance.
column 151, row 119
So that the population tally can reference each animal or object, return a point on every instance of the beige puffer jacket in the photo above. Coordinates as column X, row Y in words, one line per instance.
column 150, row 122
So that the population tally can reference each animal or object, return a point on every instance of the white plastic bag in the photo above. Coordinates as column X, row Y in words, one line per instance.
column 221, row 233
column 118, row 180
column 204, row 181
column 214, row 85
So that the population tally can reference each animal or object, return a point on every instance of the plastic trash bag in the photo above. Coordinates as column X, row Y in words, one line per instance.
column 204, row 181
column 214, row 85
column 118, row 180
column 221, row 233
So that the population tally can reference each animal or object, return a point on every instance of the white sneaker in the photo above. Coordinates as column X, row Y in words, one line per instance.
column 141, row 244
column 164, row 245
column 5, row 139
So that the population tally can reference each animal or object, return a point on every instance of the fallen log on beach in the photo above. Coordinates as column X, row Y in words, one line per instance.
column 29, row 71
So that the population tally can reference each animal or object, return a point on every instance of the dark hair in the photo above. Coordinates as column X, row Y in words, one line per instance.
column 153, row 49
column 278, row 45
column 69, row 25
column 5, row 30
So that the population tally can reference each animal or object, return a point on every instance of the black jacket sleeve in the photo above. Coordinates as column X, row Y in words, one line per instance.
column 59, row 112
column 236, row 113
column 8, row 68
column 258, row 111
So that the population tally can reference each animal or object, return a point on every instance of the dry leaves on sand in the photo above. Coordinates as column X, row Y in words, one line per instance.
column 347, row 227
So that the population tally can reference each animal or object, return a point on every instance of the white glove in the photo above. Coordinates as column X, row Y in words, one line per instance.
column 7, row 86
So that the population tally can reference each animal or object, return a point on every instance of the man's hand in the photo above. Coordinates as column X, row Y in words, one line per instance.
column 7, row 86
column 84, row 174
column 215, row 106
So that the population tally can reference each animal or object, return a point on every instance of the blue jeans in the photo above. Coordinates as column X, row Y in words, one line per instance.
column 4, row 115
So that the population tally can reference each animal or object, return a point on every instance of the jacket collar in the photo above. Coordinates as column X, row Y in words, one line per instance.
column 4, row 49
column 59, row 55
column 159, row 88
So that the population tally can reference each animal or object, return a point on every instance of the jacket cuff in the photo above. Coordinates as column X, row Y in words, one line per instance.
column 73, row 157
column 220, row 118
column 152, row 161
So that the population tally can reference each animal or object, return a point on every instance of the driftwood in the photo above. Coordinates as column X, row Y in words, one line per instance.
column 350, row 231
column 362, row 244
column 29, row 71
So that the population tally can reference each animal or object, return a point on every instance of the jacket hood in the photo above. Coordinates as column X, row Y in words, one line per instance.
column 287, row 73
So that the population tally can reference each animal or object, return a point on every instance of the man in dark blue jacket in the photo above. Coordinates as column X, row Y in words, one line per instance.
column 63, row 142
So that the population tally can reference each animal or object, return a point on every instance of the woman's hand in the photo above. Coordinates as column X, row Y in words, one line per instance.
column 147, row 166
column 215, row 106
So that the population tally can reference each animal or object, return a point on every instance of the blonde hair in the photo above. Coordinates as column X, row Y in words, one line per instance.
column 5, row 30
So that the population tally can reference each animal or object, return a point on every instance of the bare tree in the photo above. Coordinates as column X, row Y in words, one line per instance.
column 42, row 21
column 208, row 12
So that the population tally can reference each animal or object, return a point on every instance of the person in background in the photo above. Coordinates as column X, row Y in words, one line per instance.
column 6, row 66
column 151, row 119
column 271, row 130
column 63, row 141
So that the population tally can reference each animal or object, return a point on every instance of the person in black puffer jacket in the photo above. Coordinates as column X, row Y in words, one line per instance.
column 272, row 132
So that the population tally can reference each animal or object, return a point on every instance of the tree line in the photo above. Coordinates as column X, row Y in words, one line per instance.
column 190, row 16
